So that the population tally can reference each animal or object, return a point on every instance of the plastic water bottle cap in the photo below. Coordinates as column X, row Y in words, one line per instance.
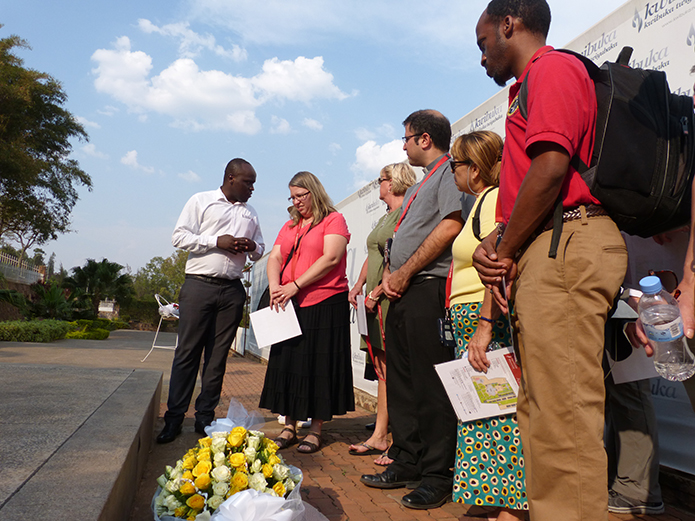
column 651, row 284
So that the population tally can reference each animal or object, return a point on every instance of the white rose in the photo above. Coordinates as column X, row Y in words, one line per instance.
column 220, row 434
column 250, row 453
column 220, row 489
column 218, row 445
column 218, row 459
column 172, row 503
column 221, row 473
column 173, row 485
column 159, row 501
column 289, row 484
column 256, row 466
column 281, row 472
column 215, row 501
column 257, row 481
column 254, row 441
column 205, row 515
column 271, row 492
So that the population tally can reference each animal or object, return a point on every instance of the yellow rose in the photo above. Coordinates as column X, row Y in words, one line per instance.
column 192, row 516
column 188, row 475
column 240, row 481
column 239, row 430
column 236, row 439
column 270, row 446
column 203, row 481
column 273, row 459
column 204, row 467
column 232, row 491
column 189, row 462
column 205, row 442
column 196, row 502
column 187, row 488
column 267, row 470
column 180, row 512
column 237, row 460
column 279, row 489
column 204, row 455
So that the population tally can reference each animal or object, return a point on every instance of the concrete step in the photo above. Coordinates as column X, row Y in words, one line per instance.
column 75, row 440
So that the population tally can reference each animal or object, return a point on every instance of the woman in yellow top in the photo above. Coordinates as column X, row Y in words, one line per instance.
column 489, row 467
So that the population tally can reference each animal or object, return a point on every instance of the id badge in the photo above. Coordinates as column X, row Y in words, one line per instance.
column 387, row 251
column 446, row 332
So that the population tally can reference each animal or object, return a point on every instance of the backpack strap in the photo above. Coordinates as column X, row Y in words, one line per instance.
column 476, row 216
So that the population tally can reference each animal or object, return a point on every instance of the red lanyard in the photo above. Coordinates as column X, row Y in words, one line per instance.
column 297, row 240
column 405, row 210
column 448, row 285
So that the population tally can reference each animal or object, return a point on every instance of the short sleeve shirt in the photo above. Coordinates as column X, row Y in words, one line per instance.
column 561, row 107
column 309, row 251
column 437, row 198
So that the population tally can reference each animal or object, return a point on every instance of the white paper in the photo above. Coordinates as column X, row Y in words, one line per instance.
column 271, row 327
column 361, row 316
column 476, row 395
column 637, row 366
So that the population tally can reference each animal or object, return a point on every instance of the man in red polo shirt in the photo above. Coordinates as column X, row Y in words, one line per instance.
column 560, row 300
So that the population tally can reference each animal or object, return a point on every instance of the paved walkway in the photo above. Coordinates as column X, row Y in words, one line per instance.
column 331, row 477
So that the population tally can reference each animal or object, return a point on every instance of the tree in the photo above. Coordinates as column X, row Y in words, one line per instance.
column 100, row 280
column 162, row 276
column 38, row 180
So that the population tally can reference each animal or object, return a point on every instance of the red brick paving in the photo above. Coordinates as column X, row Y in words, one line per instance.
column 331, row 477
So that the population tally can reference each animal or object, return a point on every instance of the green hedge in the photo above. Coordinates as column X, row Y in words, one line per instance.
column 34, row 330
column 91, row 334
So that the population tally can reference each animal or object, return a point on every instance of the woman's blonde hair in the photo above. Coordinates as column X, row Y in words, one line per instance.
column 321, row 204
column 401, row 176
column 483, row 149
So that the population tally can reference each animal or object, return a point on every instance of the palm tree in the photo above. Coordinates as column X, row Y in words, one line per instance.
column 100, row 280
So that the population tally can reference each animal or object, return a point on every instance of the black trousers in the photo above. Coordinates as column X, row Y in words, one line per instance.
column 209, row 317
column 423, row 422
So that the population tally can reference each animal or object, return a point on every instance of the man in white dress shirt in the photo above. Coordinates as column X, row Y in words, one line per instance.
column 219, row 230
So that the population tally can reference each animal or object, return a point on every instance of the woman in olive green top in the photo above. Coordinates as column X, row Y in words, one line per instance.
column 394, row 180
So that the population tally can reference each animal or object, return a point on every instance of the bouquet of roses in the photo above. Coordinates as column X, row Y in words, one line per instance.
column 219, row 467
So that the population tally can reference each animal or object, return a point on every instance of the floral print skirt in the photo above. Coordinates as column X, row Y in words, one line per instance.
column 489, row 467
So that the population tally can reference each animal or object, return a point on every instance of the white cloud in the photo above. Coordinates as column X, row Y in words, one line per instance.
column 207, row 99
column 190, row 176
column 86, row 123
column 370, row 158
column 131, row 159
column 91, row 150
column 279, row 126
column 190, row 42
column 334, row 148
column 108, row 110
column 312, row 124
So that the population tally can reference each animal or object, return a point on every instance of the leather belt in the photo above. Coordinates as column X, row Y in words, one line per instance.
column 218, row 281
column 592, row 210
column 422, row 278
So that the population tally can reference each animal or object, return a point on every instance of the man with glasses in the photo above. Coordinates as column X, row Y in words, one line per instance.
column 219, row 230
column 423, row 422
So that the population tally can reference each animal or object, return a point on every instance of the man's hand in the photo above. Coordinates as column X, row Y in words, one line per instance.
column 395, row 284
column 486, row 263
column 235, row 245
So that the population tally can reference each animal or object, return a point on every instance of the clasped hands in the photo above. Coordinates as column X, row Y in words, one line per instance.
column 235, row 244
column 281, row 295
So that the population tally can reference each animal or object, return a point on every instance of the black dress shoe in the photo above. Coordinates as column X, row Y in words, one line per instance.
column 370, row 426
column 200, row 427
column 169, row 433
column 426, row 496
column 387, row 479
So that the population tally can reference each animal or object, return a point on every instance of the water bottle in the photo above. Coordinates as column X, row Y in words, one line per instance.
column 663, row 324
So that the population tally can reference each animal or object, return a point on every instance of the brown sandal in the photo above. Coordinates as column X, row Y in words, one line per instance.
column 308, row 447
column 283, row 443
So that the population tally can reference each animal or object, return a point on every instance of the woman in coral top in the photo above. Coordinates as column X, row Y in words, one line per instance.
column 310, row 376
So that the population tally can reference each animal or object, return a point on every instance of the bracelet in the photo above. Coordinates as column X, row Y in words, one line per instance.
column 369, row 296
column 295, row 283
column 488, row 320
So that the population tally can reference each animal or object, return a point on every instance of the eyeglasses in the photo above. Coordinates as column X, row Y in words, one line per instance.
column 406, row 138
column 299, row 197
column 453, row 164
column 382, row 180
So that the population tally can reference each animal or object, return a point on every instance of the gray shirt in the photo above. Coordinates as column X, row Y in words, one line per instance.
column 437, row 198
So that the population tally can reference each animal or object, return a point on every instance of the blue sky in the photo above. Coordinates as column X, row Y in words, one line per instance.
column 170, row 91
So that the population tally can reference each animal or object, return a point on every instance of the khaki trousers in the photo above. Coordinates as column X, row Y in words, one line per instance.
column 561, row 306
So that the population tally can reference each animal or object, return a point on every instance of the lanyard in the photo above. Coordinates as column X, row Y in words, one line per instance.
column 405, row 210
column 448, row 285
column 297, row 240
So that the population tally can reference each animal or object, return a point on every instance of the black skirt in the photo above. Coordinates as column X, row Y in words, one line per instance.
column 310, row 376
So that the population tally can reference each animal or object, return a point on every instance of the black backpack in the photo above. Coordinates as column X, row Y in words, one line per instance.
column 644, row 153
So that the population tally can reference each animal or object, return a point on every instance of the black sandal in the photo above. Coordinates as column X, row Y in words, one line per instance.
column 309, row 446
column 283, row 443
